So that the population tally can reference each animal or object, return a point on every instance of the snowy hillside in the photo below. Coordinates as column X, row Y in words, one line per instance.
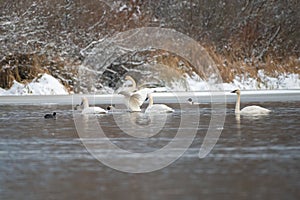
column 45, row 85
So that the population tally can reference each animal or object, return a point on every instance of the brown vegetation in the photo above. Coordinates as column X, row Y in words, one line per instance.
column 241, row 36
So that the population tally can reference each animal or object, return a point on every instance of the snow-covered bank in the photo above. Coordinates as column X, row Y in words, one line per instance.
column 44, row 85
column 245, row 82
column 48, row 85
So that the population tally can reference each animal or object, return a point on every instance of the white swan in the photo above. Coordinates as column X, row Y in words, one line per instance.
column 250, row 110
column 134, row 89
column 90, row 110
column 133, row 101
column 134, row 98
column 157, row 108
column 134, row 86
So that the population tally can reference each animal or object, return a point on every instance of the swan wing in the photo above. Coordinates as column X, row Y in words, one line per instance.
column 159, row 108
column 143, row 93
column 135, row 101
column 255, row 110
column 93, row 110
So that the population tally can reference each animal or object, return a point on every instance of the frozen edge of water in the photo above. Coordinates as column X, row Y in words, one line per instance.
column 160, row 97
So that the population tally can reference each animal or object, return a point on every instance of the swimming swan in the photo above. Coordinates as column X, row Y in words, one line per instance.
column 90, row 110
column 248, row 109
column 157, row 108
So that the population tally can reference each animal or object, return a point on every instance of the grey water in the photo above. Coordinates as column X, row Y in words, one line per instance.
column 254, row 158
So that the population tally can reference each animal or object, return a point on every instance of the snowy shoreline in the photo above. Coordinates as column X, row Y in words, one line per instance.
column 48, row 85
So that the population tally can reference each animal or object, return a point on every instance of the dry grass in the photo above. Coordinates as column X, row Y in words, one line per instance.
column 25, row 67
column 20, row 67
column 231, row 66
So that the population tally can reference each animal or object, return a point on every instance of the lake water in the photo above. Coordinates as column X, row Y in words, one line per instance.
column 254, row 158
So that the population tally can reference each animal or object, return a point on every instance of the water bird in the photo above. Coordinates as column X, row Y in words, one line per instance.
column 157, row 108
column 133, row 101
column 134, row 97
column 191, row 102
column 143, row 92
column 90, row 110
column 250, row 110
column 111, row 107
column 50, row 116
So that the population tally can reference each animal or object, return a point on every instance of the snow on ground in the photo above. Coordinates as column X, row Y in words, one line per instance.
column 44, row 85
column 245, row 82
column 48, row 85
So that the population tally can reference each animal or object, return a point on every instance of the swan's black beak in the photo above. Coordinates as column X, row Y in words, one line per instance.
column 190, row 99
column 234, row 91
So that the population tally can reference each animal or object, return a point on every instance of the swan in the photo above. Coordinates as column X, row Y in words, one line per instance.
column 90, row 110
column 134, row 98
column 133, row 101
column 134, row 89
column 248, row 109
column 157, row 108
column 191, row 102
column 50, row 116
column 134, row 85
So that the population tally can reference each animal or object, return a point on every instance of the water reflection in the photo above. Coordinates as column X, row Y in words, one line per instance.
column 141, row 125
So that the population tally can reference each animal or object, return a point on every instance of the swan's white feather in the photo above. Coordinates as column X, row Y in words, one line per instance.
column 159, row 108
column 254, row 110
column 133, row 101
column 93, row 110
column 90, row 110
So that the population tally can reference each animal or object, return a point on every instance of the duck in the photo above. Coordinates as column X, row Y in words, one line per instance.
column 50, row 116
column 250, row 110
column 90, row 110
column 191, row 102
column 157, row 108
column 110, row 108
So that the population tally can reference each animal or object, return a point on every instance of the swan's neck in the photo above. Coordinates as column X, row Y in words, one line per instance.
column 150, row 101
column 133, row 82
column 85, row 104
column 237, row 105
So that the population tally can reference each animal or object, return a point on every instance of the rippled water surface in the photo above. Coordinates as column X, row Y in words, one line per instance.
column 254, row 158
